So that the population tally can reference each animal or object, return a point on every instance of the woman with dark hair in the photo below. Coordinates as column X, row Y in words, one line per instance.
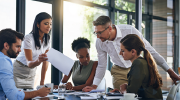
column 83, row 70
column 34, row 48
column 143, row 77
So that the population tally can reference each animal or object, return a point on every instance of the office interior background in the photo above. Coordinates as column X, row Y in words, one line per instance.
column 158, row 20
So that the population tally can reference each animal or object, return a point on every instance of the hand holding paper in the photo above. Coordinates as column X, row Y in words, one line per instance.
column 60, row 61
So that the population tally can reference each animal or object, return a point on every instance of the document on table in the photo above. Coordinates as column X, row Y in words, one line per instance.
column 60, row 61
column 94, row 91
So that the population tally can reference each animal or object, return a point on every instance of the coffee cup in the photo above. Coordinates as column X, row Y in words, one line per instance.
column 129, row 96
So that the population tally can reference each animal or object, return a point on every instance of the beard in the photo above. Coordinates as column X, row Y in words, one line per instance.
column 11, row 53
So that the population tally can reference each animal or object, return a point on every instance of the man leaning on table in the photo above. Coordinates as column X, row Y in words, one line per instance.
column 108, row 42
column 10, row 46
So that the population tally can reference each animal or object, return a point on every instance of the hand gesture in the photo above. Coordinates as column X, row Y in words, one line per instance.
column 115, row 90
column 69, row 86
column 42, row 58
column 123, row 88
column 43, row 91
column 87, row 88
column 55, row 86
column 173, row 75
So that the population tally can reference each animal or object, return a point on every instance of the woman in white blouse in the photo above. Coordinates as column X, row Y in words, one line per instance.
column 33, row 52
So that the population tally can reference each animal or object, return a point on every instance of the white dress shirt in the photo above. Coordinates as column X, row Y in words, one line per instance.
column 112, row 48
column 29, row 43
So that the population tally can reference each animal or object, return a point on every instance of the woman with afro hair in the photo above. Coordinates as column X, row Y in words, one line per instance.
column 84, row 69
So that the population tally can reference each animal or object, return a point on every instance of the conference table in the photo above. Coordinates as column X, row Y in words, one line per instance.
column 78, row 95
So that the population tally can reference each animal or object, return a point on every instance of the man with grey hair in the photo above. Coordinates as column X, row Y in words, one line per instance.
column 108, row 42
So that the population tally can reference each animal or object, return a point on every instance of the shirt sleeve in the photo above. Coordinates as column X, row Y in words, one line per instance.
column 7, row 81
column 102, row 63
column 27, row 42
column 158, row 58
column 135, row 78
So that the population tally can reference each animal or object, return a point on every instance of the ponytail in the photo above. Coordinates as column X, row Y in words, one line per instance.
column 133, row 41
column 155, row 78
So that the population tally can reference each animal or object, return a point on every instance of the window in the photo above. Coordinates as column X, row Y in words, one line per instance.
column 100, row 2
column 8, row 14
column 163, row 42
column 78, row 23
column 127, row 5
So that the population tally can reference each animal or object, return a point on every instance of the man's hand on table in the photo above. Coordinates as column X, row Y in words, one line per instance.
column 89, row 88
column 44, row 91
column 115, row 90
column 123, row 88
column 173, row 75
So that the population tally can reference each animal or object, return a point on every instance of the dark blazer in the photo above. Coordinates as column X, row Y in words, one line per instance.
column 138, row 79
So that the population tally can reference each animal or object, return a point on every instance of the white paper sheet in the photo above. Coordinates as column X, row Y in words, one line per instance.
column 60, row 61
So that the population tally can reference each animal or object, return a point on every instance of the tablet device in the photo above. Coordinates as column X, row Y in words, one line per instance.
column 114, row 94
column 48, row 98
column 67, row 91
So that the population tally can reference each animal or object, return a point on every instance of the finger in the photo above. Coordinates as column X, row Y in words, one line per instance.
column 88, row 87
column 45, row 58
column 48, row 88
column 45, row 55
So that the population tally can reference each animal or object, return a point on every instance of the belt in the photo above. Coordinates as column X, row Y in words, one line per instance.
column 121, row 67
column 21, row 63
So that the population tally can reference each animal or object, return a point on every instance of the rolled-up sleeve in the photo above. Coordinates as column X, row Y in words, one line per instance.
column 27, row 42
column 102, row 63
column 158, row 58
column 7, row 81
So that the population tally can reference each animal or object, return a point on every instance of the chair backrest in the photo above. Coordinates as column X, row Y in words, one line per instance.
column 102, row 85
column 174, row 93
column 106, row 82
column 108, row 77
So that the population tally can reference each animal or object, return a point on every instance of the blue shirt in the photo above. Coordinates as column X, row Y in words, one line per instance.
column 7, row 84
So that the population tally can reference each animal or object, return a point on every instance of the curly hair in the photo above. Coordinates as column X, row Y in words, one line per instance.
column 133, row 41
column 80, row 43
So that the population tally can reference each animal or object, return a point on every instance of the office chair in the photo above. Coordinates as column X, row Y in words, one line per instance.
column 174, row 93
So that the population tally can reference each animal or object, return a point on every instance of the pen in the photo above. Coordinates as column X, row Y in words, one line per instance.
column 46, row 86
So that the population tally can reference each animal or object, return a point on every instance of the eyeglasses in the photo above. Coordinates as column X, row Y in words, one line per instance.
column 99, row 33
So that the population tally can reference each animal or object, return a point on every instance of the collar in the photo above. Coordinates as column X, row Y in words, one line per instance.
column 118, row 34
column 3, row 54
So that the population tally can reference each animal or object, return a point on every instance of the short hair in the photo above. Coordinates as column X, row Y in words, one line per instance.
column 80, row 43
column 102, row 20
column 9, row 36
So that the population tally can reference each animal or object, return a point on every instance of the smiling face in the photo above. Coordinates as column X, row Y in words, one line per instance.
column 45, row 25
column 83, row 56
column 127, row 55
column 14, row 49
